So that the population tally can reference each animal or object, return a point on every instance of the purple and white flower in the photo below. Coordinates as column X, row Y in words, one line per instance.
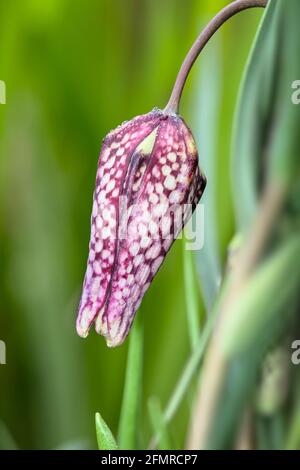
column 147, row 186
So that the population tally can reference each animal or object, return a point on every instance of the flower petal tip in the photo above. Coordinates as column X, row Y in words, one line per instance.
column 82, row 333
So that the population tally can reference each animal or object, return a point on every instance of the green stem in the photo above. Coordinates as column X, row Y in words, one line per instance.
column 213, row 26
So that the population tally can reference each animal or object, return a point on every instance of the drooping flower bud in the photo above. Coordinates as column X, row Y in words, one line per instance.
column 147, row 186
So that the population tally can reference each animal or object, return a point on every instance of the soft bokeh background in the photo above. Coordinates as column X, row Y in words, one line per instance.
column 73, row 71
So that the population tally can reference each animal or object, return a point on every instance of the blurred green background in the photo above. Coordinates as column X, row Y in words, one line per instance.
column 73, row 71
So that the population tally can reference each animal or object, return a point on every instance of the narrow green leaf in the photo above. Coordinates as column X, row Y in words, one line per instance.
column 105, row 438
column 189, row 370
column 263, row 298
column 192, row 364
column 262, row 434
column 205, row 122
column 277, row 431
column 259, row 320
column 158, row 424
column 128, row 425
column 272, row 389
column 285, row 162
column 240, row 385
column 191, row 296
column 7, row 442
column 293, row 435
column 194, row 360
column 254, row 115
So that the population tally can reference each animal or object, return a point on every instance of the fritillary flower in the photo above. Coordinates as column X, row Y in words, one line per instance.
column 147, row 186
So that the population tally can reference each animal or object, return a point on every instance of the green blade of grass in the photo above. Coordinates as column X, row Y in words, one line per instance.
column 191, row 296
column 257, row 324
column 263, row 298
column 105, row 438
column 128, row 425
column 191, row 365
column 7, row 441
column 292, row 441
column 206, row 122
column 186, row 376
column 158, row 424
column 253, row 117
column 195, row 358
column 285, row 162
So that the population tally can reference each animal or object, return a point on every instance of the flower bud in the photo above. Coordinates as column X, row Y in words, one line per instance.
column 147, row 186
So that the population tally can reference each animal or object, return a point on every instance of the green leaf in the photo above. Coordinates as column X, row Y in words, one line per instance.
column 240, row 385
column 206, row 122
column 263, row 298
column 7, row 442
column 293, row 435
column 105, row 438
column 285, row 162
column 158, row 424
column 192, row 364
column 191, row 296
column 128, row 425
column 254, row 115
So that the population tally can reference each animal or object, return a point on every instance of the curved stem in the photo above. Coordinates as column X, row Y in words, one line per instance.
column 226, row 13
